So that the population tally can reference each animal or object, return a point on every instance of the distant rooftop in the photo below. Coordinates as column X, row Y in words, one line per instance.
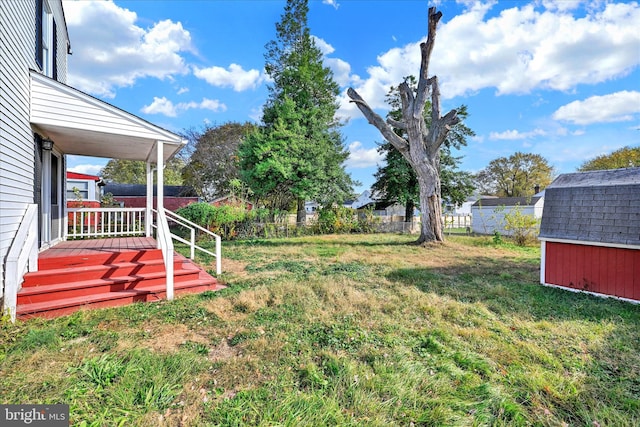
column 507, row 201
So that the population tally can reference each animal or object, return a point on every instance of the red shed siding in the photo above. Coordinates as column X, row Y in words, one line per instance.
column 599, row 269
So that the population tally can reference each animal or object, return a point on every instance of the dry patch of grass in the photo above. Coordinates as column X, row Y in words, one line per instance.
column 343, row 330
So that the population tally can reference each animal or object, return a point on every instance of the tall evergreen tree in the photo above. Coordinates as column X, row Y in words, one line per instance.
column 300, row 146
column 397, row 182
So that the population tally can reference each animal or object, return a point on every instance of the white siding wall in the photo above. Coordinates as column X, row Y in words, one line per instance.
column 486, row 220
column 17, row 55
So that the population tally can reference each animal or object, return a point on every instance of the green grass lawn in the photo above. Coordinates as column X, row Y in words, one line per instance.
column 363, row 330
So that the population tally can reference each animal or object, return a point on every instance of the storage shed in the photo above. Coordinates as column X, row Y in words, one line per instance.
column 590, row 233
column 487, row 214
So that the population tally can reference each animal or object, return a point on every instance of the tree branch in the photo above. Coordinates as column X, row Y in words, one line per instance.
column 396, row 124
column 425, row 49
column 372, row 117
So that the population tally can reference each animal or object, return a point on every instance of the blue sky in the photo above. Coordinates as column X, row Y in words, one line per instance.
column 556, row 78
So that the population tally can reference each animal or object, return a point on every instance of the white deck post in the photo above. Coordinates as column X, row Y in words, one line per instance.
column 148, row 216
column 160, row 176
column 163, row 231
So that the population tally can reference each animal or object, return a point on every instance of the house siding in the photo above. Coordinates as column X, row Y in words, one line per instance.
column 17, row 56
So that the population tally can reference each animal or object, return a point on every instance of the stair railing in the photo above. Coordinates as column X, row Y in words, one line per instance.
column 22, row 257
column 192, row 227
column 163, row 236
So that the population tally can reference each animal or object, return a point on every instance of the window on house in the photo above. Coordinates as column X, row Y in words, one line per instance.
column 46, row 39
column 82, row 188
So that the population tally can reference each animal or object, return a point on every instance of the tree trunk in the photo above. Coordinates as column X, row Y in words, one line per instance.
column 301, row 213
column 408, row 211
column 430, row 203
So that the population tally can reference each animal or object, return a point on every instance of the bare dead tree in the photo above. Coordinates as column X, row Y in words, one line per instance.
column 421, row 147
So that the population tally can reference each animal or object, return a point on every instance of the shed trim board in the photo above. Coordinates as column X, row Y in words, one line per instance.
column 578, row 291
column 588, row 243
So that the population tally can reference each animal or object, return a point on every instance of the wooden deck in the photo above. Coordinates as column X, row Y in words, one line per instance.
column 83, row 274
column 98, row 246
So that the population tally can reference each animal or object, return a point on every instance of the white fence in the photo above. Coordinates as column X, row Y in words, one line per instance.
column 88, row 223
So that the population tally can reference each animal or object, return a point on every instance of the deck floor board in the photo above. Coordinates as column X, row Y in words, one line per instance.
column 98, row 246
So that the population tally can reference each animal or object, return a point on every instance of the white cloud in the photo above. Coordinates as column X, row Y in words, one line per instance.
column 341, row 69
column 88, row 169
column 512, row 135
column 234, row 77
column 115, row 52
column 324, row 47
column 524, row 48
column 160, row 106
column 361, row 157
column 333, row 3
column 183, row 90
column 615, row 107
column 169, row 109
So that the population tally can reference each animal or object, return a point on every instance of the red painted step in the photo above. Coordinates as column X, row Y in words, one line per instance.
column 68, row 306
column 89, row 272
column 67, row 284
column 107, row 257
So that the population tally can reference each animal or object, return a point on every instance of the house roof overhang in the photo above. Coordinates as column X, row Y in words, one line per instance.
column 80, row 124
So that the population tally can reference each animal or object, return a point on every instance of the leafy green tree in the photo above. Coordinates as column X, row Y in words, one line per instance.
column 135, row 172
column 626, row 157
column 213, row 158
column 397, row 182
column 299, row 153
column 515, row 176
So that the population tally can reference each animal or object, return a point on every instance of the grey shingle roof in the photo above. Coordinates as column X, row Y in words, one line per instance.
column 507, row 201
column 599, row 206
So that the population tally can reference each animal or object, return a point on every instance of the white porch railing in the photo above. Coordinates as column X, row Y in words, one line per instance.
column 22, row 257
column 192, row 227
column 88, row 223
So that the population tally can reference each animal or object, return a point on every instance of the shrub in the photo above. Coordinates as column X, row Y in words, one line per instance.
column 524, row 228
column 336, row 219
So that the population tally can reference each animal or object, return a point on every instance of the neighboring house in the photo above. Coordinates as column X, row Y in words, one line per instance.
column 232, row 200
column 487, row 214
column 43, row 120
column 465, row 208
column 590, row 233
column 311, row 207
column 134, row 195
column 83, row 190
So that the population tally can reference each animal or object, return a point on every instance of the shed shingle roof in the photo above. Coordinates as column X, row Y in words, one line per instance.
column 599, row 207
column 507, row 201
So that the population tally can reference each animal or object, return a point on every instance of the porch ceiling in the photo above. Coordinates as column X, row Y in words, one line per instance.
column 80, row 124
